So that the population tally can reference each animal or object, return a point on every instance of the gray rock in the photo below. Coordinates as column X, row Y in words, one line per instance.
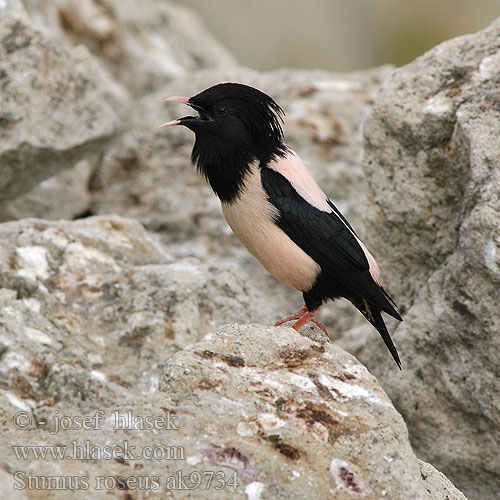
column 315, row 407
column 55, row 105
column 432, row 146
column 265, row 412
column 143, row 44
column 437, row 484
column 64, row 195
column 96, row 314
column 102, row 295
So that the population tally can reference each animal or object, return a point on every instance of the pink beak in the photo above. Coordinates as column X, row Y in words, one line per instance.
column 177, row 98
column 184, row 100
column 170, row 123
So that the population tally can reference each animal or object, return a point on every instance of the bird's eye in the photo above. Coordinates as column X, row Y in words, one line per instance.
column 220, row 110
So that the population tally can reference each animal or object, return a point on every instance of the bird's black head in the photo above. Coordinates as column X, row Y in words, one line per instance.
column 236, row 126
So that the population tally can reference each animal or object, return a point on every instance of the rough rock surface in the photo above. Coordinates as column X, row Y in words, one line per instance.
column 113, row 285
column 437, row 484
column 143, row 44
column 96, row 314
column 432, row 155
column 60, row 104
column 56, row 104
column 285, row 416
column 63, row 195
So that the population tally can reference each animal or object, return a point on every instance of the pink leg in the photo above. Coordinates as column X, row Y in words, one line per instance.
column 303, row 316
column 296, row 315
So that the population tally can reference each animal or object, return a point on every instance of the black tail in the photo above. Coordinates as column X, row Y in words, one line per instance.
column 372, row 314
column 391, row 307
column 379, row 324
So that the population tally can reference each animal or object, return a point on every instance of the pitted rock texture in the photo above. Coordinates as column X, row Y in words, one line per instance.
column 286, row 416
column 102, row 294
column 432, row 151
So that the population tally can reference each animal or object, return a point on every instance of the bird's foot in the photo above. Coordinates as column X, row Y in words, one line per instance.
column 296, row 315
column 303, row 316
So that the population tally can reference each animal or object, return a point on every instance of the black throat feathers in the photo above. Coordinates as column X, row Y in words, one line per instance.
column 225, row 166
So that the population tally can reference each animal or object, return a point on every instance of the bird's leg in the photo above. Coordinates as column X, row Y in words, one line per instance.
column 296, row 315
column 303, row 316
column 307, row 316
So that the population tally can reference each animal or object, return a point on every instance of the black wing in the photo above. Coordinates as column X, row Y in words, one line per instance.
column 326, row 237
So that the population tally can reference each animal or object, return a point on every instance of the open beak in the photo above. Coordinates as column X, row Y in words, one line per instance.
column 186, row 120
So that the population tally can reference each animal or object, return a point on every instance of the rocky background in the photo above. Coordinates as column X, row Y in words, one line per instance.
column 117, row 272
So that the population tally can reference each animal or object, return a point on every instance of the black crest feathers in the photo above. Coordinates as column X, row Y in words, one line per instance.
column 239, row 125
column 261, row 115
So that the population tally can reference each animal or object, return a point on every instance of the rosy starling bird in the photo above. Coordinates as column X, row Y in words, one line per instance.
column 276, row 209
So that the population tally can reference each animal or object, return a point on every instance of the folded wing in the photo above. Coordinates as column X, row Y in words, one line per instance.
column 326, row 237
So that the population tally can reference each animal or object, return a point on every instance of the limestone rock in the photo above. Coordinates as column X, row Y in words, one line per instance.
column 56, row 104
column 64, row 195
column 437, row 484
column 261, row 412
column 303, row 419
column 432, row 154
column 102, row 295
column 143, row 44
